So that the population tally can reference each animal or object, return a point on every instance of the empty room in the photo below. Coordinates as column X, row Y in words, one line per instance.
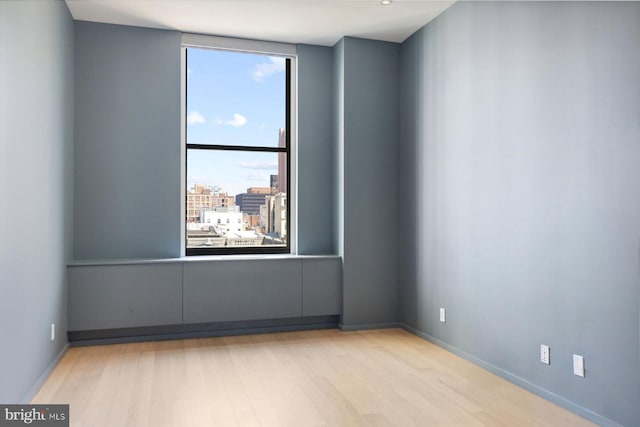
column 319, row 213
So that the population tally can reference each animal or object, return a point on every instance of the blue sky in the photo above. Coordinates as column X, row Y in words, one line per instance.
column 237, row 99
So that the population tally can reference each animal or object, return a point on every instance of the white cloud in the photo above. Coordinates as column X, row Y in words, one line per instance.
column 275, row 65
column 194, row 118
column 237, row 121
column 258, row 165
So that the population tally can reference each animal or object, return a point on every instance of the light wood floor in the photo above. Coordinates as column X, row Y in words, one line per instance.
column 314, row 378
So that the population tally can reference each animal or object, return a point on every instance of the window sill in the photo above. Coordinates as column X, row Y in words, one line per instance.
column 192, row 259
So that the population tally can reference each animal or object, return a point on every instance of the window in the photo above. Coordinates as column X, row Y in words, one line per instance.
column 238, row 127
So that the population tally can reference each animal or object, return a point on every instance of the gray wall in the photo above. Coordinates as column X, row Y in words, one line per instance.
column 107, row 295
column 367, row 130
column 36, row 155
column 127, row 142
column 316, row 151
column 127, row 180
column 338, row 143
column 520, row 164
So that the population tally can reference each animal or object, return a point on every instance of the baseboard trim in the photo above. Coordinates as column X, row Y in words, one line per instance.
column 35, row 388
column 527, row 385
column 368, row 326
column 203, row 330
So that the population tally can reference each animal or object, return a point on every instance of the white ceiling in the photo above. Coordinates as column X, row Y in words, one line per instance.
column 320, row 22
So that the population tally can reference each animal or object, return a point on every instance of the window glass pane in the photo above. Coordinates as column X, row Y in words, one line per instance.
column 235, row 98
column 234, row 199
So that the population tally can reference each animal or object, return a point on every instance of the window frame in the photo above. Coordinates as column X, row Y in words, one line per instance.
column 250, row 47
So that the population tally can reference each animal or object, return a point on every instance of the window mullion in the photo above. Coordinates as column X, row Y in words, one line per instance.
column 237, row 148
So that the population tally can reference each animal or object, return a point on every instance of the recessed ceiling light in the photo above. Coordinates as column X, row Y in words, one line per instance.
column 385, row 2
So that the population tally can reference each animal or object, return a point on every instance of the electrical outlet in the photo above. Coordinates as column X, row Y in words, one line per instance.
column 578, row 365
column 442, row 315
column 544, row 354
column 53, row 331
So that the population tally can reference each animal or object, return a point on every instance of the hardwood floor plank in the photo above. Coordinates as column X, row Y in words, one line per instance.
column 313, row 378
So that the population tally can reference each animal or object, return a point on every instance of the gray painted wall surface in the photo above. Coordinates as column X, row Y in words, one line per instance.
column 127, row 179
column 315, row 151
column 36, row 155
column 338, row 141
column 174, row 292
column 368, row 138
column 127, row 142
column 238, row 290
column 321, row 286
column 520, row 161
column 125, row 296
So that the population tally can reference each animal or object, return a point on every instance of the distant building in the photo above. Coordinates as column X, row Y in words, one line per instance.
column 282, row 162
column 223, row 220
column 250, row 203
column 273, row 215
column 201, row 197
column 252, row 222
column 259, row 190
